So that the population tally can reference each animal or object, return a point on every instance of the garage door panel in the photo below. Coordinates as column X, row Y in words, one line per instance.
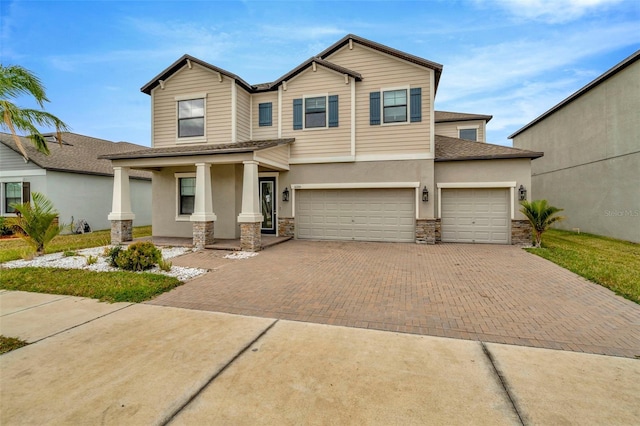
column 362, row 214
column 475, row 215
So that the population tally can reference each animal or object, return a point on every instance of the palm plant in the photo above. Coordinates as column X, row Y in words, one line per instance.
column 36, row 224
column 541, row 216
column 17, row 81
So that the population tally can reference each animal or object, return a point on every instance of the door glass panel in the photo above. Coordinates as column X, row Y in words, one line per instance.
column 266, row 201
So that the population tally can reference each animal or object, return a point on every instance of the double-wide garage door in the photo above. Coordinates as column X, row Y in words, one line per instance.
column 475, row 215
column 356, row 214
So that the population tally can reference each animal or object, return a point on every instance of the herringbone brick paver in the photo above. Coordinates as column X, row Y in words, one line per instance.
column 492, row 293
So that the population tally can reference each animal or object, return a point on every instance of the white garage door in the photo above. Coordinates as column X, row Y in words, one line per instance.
column 356, row 214
column 475, row 215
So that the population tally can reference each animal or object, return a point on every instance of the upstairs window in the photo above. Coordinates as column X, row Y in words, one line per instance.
column 468, row 134
column 187, row 199
column 315, row 112
column 264, row 114
column 395, row 106
column 190, row 118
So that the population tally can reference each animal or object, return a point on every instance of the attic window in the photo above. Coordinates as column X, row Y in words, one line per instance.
column 190, row 118
column 468, row 134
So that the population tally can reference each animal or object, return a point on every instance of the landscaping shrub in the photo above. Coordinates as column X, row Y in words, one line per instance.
column 138, row 257
column 112, row 253
column 5, row 229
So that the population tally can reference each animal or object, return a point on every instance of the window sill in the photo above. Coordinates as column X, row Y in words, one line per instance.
column 396, row 123
column 198, row 139
column 183, row 218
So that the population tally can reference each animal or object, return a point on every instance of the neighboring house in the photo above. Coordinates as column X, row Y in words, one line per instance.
column 72, row 177
column 343, row 147
column 591, row 142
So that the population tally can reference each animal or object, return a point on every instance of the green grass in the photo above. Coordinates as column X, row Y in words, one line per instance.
column 118, row 286
column 14, row 249
column 612, row 263
column 8, row 344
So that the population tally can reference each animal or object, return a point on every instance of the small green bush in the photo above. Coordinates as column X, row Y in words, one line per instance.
column 164, row 265
column 92, row 260
column 112, row 254
column 5, row 229
column 138, row 257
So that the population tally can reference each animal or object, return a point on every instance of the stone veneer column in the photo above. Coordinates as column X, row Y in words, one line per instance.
column 425, row 231
column 203, row 217
column 286, row 227
column 521, row 232
column 121, row 216
column 250, row 218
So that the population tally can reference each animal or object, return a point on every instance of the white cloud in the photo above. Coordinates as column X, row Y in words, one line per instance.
column 553, row 11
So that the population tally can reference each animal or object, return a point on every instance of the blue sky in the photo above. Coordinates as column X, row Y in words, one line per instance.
column 513, row 59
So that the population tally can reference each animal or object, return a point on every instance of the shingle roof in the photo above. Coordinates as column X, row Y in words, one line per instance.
column 306, row 64
column 453, row 149
column 181, row 151
column 78, row 154
column 447, row 116
column 601, row 79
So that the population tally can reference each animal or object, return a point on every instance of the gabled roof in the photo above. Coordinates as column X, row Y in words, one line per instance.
column 184, row 60
column 448, row 116
column 384, row 49
column 320, row 59
column 454, row 149
column 601, row 79
column 181, row 151
column 78, row 154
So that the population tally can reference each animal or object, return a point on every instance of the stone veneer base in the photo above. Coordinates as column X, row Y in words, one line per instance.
column 425, row 231
column 250, row 237
column 202, row 234
column 121, row 231
column 521, row 232
column 286, row 227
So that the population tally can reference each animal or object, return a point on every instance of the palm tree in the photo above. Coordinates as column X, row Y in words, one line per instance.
column 541, row 216
column 36, row 224
column 17, row 81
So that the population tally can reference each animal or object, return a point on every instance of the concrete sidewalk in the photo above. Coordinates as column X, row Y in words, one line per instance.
column 142, row 364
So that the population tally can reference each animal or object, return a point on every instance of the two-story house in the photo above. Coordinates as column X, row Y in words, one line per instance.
column 343, row 147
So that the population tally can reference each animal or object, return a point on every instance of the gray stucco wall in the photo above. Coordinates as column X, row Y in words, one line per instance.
column 592, row 158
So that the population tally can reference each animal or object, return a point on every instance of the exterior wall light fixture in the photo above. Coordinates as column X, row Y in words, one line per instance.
column 285, row 194
column 522, row 193
column 425, row 194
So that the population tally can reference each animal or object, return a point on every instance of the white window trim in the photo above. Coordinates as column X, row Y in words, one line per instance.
column 304, row 112
column 192, row 139
column 3, row 200
column 476, row 127
column 390, row 89
column 177, row 176
column 509, row 185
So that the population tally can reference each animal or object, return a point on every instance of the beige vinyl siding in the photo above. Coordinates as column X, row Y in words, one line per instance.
column 266, row 132
column 279, row 154
column 450, row 129
column 243, row 108
column 187, row 81
column 381, row 71
column 329, row 142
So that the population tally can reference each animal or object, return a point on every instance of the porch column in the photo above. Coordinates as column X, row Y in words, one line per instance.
column 203, row 217
column 250, row 218
column 121, row 216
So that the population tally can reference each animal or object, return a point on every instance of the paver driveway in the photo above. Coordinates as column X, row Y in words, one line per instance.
column 492, row 293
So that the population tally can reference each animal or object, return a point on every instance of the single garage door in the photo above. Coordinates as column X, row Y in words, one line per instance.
column 356, row 214
column 475, row 215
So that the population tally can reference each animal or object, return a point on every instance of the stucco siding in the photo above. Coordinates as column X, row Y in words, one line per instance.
column 318, row 142
column 196, row 80
column 486, row 171
column 265, row 132
column 361, row 172
column 591, row 162
column 451, row 129
column 243, row 119
column 381, row 72
column 89, row 197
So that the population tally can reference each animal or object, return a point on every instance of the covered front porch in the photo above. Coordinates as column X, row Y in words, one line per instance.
column 210, row 194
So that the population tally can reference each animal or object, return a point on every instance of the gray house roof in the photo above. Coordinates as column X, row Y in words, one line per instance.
column 604, row 77
column 77, row 154
column 453, row 149
column 448, row 116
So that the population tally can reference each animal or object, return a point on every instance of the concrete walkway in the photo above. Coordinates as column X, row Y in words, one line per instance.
column 122, row 364
column 489, row 293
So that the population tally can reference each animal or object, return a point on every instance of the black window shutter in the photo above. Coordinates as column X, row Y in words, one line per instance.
column 333, row 111
column 26, row 192
column 416, row 105
column 374, row 108
column 297, row 114
column 264, row 114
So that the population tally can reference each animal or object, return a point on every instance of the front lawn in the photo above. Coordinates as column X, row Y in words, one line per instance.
column 612, row 263
column 118, row 286
column 13, row 249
